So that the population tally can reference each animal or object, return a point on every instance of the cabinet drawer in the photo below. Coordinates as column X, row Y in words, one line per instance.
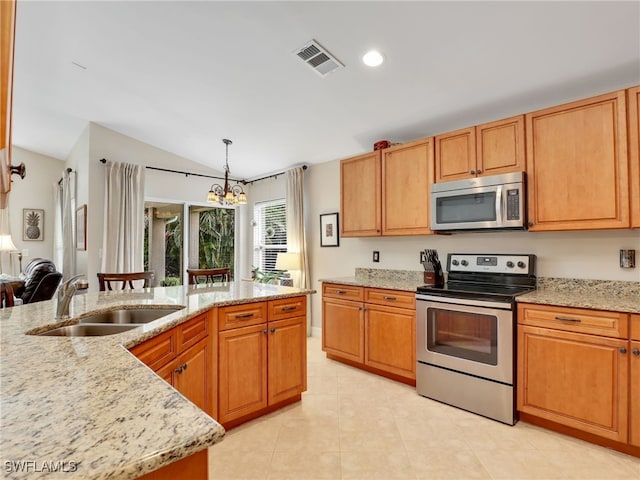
column 594, row 322
column 635, row 327
column 390, row 298
column 191, row 332
column 287, row 308
column 346, row 292
column 244, row 315
column 157, row 351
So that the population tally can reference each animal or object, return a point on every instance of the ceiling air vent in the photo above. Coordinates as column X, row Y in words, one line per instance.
column 315, row 55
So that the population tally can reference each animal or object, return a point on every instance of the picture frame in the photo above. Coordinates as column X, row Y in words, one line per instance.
column 329, row 230
column 81, row 227
column 33, row 224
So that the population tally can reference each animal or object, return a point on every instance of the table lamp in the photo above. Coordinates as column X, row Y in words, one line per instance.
column 6, row 245
column 287, row 262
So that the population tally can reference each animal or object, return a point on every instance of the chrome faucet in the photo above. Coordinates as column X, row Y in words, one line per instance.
column 65, row 294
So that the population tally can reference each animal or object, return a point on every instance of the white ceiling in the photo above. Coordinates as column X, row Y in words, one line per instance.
column 183, row 75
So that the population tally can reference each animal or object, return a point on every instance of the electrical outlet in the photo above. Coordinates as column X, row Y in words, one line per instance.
column 376, row 256
column 423, row 257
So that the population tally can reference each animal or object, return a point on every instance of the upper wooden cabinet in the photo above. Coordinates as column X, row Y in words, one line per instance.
column 386, row 192
column 407, row 172
column 577, row 165
column 7, row 38
column 360, row 195
column 633, row 98
column 489, row 149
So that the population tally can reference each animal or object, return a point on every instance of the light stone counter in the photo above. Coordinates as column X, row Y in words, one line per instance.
column 407, row 280
column 615, row 296
column 87, row 406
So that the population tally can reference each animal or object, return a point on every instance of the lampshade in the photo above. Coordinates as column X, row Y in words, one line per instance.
column 6, row 244
column 288, row 261
column 227, row 194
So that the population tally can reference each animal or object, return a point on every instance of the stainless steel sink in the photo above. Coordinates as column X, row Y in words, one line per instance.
column 110, row 322
column 129, row 315
column 88, row 330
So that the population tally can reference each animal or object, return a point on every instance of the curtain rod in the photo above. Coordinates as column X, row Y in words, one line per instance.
column 244, row 182
column 69, row 170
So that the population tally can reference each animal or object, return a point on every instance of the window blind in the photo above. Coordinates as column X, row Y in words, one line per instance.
column 269, row 233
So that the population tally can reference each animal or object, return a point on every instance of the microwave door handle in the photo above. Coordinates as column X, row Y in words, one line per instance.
column 499, row 219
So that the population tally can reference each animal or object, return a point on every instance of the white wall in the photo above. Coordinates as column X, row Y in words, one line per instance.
column 36, row 190
column 583, row 254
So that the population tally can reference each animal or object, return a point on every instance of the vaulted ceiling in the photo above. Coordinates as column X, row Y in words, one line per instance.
column 183, row 75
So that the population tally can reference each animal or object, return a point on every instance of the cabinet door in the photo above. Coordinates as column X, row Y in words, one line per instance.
column 391, row 340
column 577, row 165
column 7, row 38
column 407, row 172
column 242, row 371
column 192, row 375
column 634, row 382
column 574, row 379
column 633, row 96
column 500, row 146
column 287, row 358
column 360, row 196
column 343, row 329
column 157, row 351
column 456, row 155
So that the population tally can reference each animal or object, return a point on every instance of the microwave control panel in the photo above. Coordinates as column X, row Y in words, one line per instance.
column 513, row 204
column 490, row 263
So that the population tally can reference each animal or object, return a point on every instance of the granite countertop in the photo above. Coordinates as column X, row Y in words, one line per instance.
column 615, row 296
column 86, row 405
column 407, row 280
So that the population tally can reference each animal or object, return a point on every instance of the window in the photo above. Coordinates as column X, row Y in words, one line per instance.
column 269, row 233
column 212, row 237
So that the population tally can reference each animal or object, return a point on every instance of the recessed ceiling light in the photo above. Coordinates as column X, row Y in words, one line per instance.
column 373, row 58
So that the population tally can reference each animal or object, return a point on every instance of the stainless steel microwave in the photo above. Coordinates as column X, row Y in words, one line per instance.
column 492, row 202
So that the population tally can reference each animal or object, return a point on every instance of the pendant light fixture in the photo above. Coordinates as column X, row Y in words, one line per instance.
column 227, row 195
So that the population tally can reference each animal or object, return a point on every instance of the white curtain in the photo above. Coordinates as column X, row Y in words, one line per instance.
column 122, row 248
column 296, row 239
column 64, row 255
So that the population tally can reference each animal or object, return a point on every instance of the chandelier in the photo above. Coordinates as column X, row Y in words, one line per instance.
column 227, row 195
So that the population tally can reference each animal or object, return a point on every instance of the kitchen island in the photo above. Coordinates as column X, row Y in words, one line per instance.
column 85, row 405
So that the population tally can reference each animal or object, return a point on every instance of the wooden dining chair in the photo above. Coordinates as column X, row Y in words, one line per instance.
column 209, row 275
column 107, row 279
column 6, row 295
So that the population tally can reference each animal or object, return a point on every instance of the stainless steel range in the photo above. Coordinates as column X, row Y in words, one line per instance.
column 465, row 333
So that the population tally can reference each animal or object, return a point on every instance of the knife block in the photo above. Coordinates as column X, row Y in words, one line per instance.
column 435, row 278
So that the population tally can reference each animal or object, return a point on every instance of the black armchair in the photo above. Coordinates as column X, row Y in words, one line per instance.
column 41, row 281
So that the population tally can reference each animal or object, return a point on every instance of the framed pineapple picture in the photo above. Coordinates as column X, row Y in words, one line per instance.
column 32, row 224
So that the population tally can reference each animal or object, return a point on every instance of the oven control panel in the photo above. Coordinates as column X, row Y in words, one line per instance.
column 490, row 263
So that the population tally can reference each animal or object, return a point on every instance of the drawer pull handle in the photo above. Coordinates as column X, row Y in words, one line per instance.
column 341, row 292
column 288, row 309
column 568, row 319
column 244, row 315
column 387, row 297
column 623, row 350
column 636, row 352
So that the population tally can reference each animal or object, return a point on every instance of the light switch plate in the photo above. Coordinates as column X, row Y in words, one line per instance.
column 376, row 256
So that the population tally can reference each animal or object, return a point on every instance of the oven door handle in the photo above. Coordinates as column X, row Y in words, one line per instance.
column 464, row 301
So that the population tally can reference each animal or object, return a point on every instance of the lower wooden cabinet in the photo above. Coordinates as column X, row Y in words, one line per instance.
column 377, row 330
column 634, row 375
column 343, row 328
column 390, row 339
column 262, row 365
column 580, row 370
column 183, row 357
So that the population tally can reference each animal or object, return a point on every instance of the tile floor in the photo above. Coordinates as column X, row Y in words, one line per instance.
column 355, row 425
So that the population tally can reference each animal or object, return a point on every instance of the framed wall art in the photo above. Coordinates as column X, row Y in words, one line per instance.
column 32, row 224
column 329, row 230
column 81, row 227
